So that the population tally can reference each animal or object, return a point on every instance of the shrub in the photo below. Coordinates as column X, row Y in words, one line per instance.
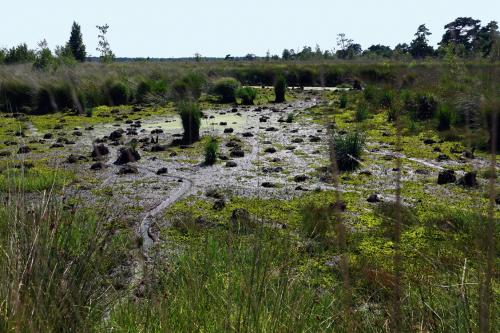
column 427, row 106
column 445, row 118
column 343, row 101
column 211, row 150
column 191, row 121
column 361, row 112
column 118, row 93
column 226, row 89
column 348, row 149
column 280, row 89
column 421, row 106
column 247, row 95
column 15, row 96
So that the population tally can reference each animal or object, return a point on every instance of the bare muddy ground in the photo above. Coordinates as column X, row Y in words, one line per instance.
column 264, row 152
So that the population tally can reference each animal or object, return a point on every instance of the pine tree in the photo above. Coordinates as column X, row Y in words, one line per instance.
column 75, row 43
column 419, row 47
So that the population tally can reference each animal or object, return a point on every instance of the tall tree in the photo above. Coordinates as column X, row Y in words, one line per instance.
column 347, row 48
column 44, row 57
column 19, row 54
column 378, row 50
column 419, row 47
column 75, row 43
column 103, row 47
column 486, row 38
column 286, row 54
column 462, row 34
column 3, row 53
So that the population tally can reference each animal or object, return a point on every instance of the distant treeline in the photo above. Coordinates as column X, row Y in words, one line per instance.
column 465, row 37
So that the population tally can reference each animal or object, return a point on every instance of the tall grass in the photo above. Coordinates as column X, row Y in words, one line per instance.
column 348, row 150
column 191, row 121
column 53, row 267
column 254, row 273
column 211, row 151
column 27, row 180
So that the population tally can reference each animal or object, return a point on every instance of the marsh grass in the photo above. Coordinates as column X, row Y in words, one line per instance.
column 27, row 180
column 348, row 150
column 253, row 273
column 211, row 151
column 52, row 267
column 190, row 115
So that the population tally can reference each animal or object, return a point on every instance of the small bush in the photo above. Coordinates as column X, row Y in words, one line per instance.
column 445, row 118
column 280, row 89
column 343, row 101
column 427, row 106
column 361, row 112
column 211, row 150
column 226, row 89
column 348, row 149
column 191, row 121
column 118, row 93
column 247, row 95
column 421, row 106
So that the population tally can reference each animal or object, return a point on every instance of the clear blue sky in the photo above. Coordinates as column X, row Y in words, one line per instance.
column 167, row 28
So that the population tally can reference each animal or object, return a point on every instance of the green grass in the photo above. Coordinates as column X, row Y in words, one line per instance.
column 34, row 179
column 54, row 267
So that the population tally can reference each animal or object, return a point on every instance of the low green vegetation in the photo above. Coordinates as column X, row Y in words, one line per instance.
column 211, row 151
column 247, row 95
column 226, row 89
column 300, row 257
column 348, row 149
column 27, row 178
column 280, row 89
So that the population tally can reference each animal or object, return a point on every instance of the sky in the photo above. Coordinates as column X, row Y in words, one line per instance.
column 154, row 28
